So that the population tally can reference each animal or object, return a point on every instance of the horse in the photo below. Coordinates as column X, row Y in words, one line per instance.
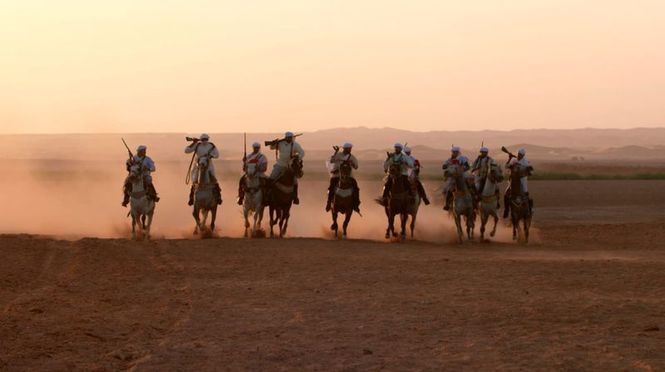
column 142, row 208
column 412, row 208
column 342, row 199
column 520, row 209
column 281, row 197
column 204, row 199
column 253, row 202
column 398, row 202
column 463, row 204
column 488, row 200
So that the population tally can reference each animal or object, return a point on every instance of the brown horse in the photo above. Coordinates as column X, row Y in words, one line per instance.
column 342, row 199
column 281, row 197
column 398, row 201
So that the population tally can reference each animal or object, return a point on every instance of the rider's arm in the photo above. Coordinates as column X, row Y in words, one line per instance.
column 263, row 163
column 214, row 153
column 354, row 162
column 150, row 165
column 300, row 151
column 190, row 148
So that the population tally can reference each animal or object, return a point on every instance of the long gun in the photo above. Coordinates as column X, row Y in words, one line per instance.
column 244, row 157
column 510, row 154
column 278, row 140
column 131, row 155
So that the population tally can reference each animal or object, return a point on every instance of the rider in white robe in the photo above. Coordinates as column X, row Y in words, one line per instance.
column 203, row 147
column 405, row 163
column 147, row 167
column 259, row 161
column 414, row 175
column 335, row 162
column 522, row 165
column 456, row 160
column 287, row 149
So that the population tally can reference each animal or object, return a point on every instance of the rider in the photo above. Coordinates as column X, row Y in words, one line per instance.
column 514, row 164
column 203, row 147
column 336, row 161
column 481, row 167
column 261, row 163
column 286, row 150
column 405, row 163
column 456, row 159
column 148, row 166
column 414, row 175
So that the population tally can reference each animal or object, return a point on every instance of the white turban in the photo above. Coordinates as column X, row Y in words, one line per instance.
column 398, row 146
column 256, row 145
column 407, row 150
column 205, row 136
column 521, row 151
column 141, row 148
column 288, row 134
column 347, row 145
column 455, row 149
column 484, row 149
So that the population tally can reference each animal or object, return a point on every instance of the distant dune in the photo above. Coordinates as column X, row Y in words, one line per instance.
column 370, row 144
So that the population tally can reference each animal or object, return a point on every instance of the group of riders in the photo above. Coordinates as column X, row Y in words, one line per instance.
column 341, row 163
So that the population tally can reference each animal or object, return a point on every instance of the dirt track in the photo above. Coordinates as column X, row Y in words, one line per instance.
column 587, row 297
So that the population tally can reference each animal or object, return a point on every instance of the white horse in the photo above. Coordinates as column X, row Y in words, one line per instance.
column 463, row 204
column 253, row 202
column 489, row 200
column 142, row 209
column 204, row 199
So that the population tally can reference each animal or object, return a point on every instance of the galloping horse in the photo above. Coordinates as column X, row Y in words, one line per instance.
column 142, row 208
column 342, row 199
column 398, row 202
column 489, row 199
column 281, row 197
column 462, row 204
column 204, row 199
column 520, row 209
column 253, row 203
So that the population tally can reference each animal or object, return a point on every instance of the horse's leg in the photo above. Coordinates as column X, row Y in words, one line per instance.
column 527, row 225
column 213, row 218
column 402, row 222
column 285, row 218
column 133, row 226
column 391, row 225
column 195, row 213
column 471, row 223
column 245, row 214
column 458, row 224
column 514, row 223
column 496, row 221
column 149, row 224
column 334, row 226
column 347, row 219
column 413, row 225
column 483, row 221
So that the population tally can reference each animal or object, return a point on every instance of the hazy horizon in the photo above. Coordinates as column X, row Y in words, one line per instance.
column 76, row 66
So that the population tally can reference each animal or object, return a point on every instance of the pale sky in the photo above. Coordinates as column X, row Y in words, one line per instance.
column 248, row 65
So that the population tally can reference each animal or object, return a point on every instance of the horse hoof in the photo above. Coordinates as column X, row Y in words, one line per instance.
column 492, row 234
column 344, row 237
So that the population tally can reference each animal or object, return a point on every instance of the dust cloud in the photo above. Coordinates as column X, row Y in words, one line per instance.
column 72, row 199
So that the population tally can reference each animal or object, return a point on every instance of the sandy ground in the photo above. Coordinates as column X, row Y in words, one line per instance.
column 587, row 294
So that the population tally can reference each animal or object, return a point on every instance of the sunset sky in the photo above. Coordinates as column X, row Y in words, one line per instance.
column 218, row 66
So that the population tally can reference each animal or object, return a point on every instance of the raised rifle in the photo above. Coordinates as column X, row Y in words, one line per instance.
column 131, row 155
column 278, row 140
column 510, row 154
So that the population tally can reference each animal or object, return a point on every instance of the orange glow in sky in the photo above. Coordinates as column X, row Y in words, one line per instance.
column 221, row 66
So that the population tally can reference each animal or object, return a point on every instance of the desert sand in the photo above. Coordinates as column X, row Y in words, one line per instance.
column 587, row 293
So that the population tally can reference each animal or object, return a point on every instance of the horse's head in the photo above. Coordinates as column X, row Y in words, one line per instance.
column 345, row 169
column 495, row 173
column 135, row 170
column 295, row 165
column 395, row 169
column 251, row 170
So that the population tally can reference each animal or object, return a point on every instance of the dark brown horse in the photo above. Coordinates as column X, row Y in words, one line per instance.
column 281, row 197
column 342, row 199
column 520, row 209
column 398, row 201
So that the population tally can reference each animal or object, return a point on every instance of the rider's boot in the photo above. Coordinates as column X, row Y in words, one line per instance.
column 191, row 196
column 449, row 199
column 329, row 201
column 421, row 192
column 296, row 200
column 125, row 200
column 152, row 193
column 218, row 193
